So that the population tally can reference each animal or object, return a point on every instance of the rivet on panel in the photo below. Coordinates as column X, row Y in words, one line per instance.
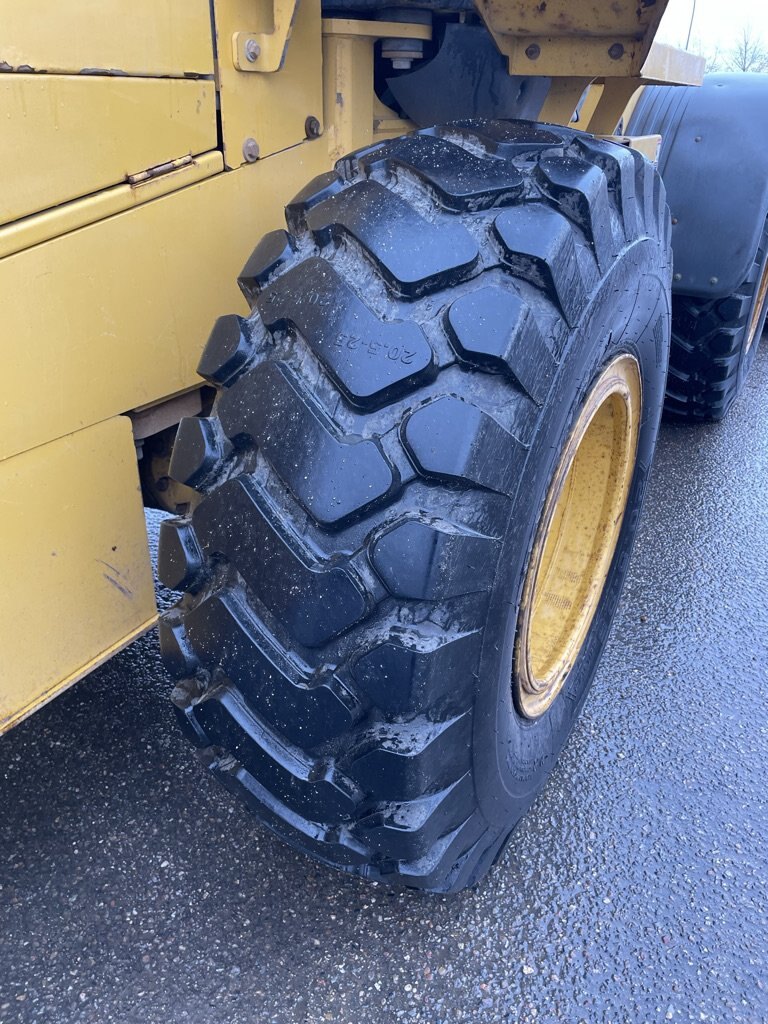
column 251, row 150
column 312, row 127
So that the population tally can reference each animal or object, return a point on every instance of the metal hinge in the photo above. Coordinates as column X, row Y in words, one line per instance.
column 158, row 169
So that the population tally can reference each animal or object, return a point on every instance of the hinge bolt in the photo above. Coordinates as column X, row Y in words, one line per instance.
column 252, row 50
column 616, row 52
column 312, row 127
column 533, row 52
column 251, row 150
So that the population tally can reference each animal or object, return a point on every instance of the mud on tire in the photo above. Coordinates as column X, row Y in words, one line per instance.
column 388, row 420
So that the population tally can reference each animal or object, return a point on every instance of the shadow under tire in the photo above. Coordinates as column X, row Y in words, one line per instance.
column 389, row 421
column 714, row 342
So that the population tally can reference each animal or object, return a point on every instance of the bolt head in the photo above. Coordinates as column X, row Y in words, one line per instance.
column 251, row 150
column 252, row 50
column 533, row 52
column 312, row 128
column 678, row 277
column 714, row 280
column 616, row 52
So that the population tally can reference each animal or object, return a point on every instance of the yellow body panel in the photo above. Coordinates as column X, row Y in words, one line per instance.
column 270, row 108
column 129, row 301
column 73, row 135
column 59, row 220
column 73, row 548
column 143, row 37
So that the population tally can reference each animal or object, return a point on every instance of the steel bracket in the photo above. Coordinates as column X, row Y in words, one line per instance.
column 265, row 51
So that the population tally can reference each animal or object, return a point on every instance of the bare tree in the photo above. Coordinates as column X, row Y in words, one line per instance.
column 749, row 53
column 713, row 58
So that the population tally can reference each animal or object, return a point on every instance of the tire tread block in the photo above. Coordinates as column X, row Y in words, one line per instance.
column 506, row 139
column 312, row 788
column 618, row 165
column 221, row 632
column 398, row 678
column 331, row 478
column 197, row 451
column 462, row 180
column 645, row 174
column 449, row 439
column 412, row 253
column 371, row 361
column 423, row 562
column 274, row 250
column 494, row 327
column 407, row 830
column 539, row 246
column 322, row 187
column 228, row 349
column 179, row 558
column 178, row 657
column 331, row 845
column 314, row 603
column 581, row 191
column 409, row 760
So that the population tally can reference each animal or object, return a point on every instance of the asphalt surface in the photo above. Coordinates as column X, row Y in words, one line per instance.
column 134, row 889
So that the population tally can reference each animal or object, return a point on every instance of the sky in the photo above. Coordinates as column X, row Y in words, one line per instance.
column 716, row 23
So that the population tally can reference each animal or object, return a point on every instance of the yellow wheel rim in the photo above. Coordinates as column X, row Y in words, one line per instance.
column 757, row 312
column 577, row 535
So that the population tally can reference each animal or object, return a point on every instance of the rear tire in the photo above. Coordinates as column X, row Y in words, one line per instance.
column 389, row 420
column 713, row 345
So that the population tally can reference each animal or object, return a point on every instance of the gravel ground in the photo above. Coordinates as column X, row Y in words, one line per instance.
column 135, row 889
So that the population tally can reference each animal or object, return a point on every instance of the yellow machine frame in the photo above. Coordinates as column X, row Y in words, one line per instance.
column 148, row 146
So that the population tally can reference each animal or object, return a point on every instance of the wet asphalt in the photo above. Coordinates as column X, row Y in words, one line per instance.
column 134, row 889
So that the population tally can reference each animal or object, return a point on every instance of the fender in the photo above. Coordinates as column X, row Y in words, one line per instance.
column 714, row 164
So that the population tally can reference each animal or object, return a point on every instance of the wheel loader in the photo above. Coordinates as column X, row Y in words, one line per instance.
column 458, row 257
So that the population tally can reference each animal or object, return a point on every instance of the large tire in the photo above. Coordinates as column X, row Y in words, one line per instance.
column 374, row 469
column 714, row 342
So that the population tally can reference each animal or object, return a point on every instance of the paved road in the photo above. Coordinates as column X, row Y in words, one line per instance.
column 135, row 890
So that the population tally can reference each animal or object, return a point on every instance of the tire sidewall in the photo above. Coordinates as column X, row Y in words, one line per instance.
column 513, row 756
